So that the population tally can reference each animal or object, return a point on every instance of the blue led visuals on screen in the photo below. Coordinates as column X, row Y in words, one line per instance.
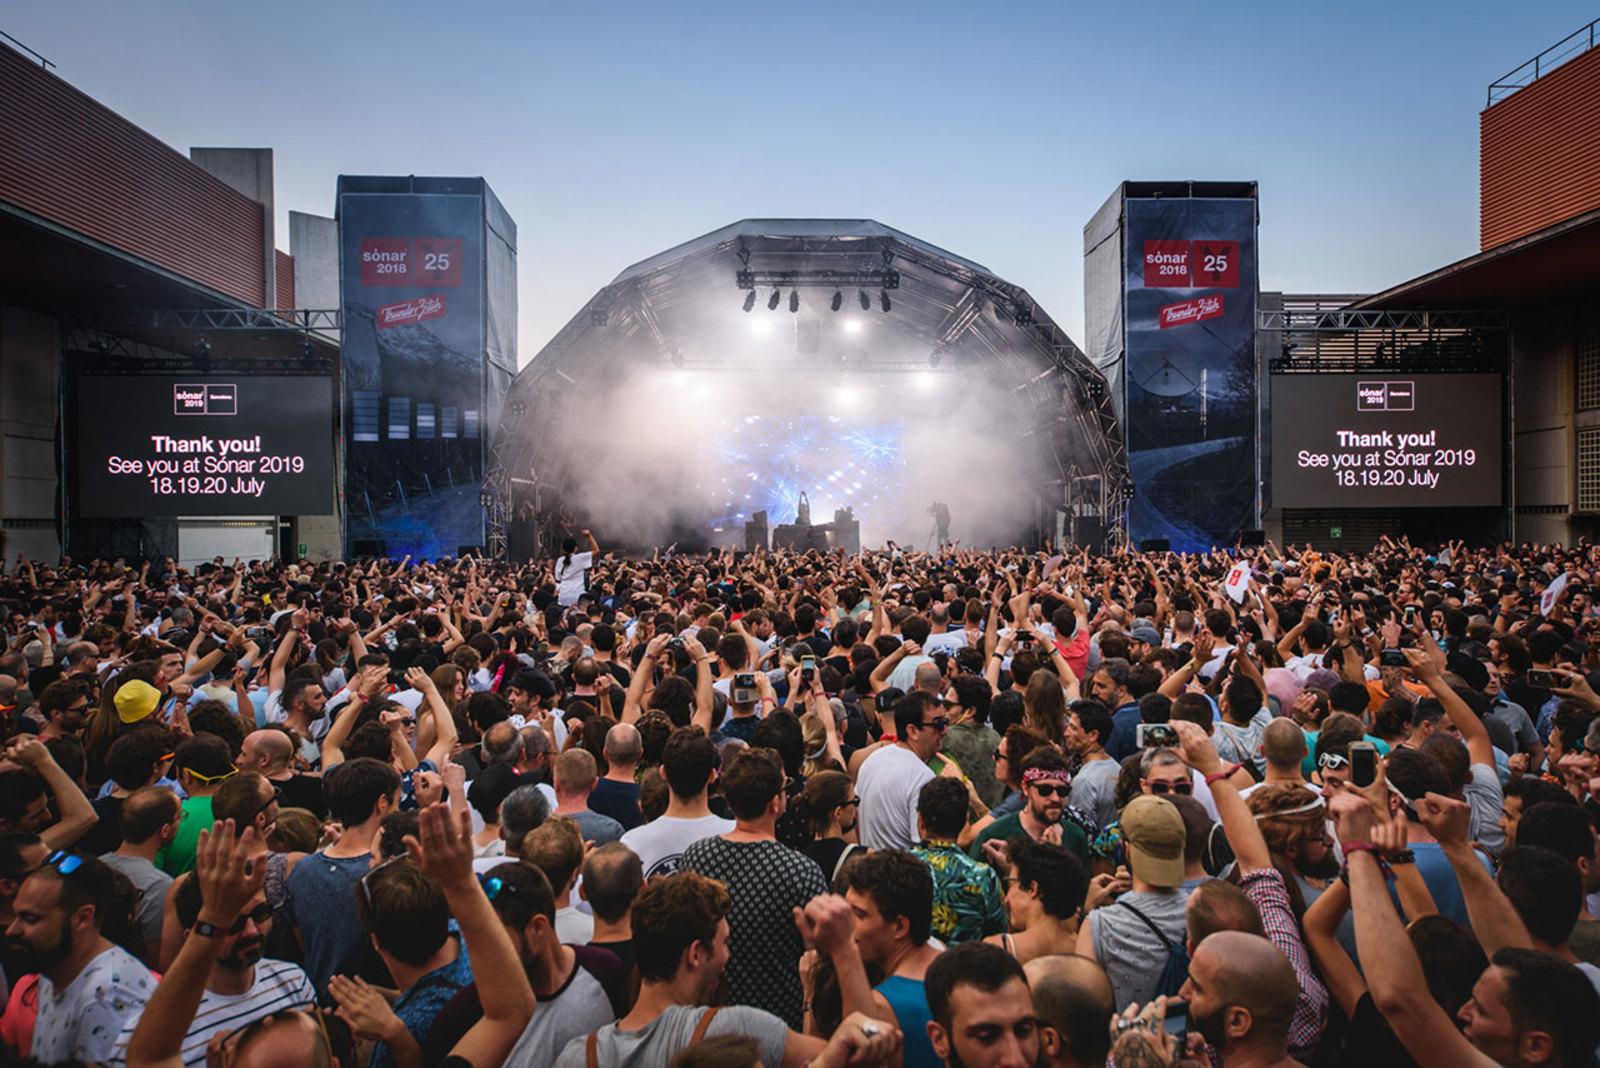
column 758, row 462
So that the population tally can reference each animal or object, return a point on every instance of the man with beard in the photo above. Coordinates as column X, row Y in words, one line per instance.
column 87, row 985
column 981, row 1011
column 1045, row 786
column 243, row 986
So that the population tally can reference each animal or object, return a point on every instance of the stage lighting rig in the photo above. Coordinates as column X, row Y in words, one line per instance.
column 677, row 359
column 794, row 300
column 838, row 300
column 772, row 301
column 750, row 300
column 866, row 301
column 203, row 356
column 883, row 299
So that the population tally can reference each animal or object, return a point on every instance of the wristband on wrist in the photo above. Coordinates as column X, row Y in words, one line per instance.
column 209, row 930
column 1225, row 773
column 1400, row 856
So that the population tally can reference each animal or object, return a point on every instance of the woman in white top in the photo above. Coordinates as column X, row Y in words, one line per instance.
column 572, row 570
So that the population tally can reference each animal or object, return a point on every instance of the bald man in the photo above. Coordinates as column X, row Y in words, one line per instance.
column 1242, row 993
column 1283, row 744
column 1072, row 998
column 616, row 794
column 270, row 753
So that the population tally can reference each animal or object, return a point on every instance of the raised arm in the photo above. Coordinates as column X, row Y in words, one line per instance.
column 77, row 814
column 1493, row 918
column 1473, row 732
column 1393, row 972
column 444, row 724
column 343, row 724
column 228, row 880
column 443, row 850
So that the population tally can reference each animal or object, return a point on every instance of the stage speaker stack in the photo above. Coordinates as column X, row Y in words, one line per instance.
column 755, row 532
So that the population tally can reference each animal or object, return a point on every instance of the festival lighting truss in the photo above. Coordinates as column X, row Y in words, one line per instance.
column 969, row 321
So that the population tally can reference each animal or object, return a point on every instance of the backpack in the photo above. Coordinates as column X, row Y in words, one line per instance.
column 1176, row 971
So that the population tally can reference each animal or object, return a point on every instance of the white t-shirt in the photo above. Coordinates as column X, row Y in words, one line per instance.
column 574, row 927
column 571, row 576
column 661, row 842
column 83, row 1021
column 889, row 782
column 279, row 985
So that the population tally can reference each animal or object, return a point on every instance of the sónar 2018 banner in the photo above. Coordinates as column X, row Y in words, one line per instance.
column 1190, row 414
column 412, row 282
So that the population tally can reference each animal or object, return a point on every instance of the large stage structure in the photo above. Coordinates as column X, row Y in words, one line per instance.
column 691, row 310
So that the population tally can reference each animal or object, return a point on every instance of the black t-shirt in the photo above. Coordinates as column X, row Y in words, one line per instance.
column 302, row 791
column 1370, row 1040
column 105, row 836
column 619, row 800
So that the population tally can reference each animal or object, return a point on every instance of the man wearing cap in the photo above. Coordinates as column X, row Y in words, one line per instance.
column 1132, row 937
column 532, row 696
column 1046, row 782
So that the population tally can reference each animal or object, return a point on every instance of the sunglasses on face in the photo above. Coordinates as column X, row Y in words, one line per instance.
column 937, row 723
column 854, row 802
column 1182, row 787
column 1050, row 789
column 258, row 916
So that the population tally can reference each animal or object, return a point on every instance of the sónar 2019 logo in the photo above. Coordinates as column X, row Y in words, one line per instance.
column 1386, row 396
column 207, row 398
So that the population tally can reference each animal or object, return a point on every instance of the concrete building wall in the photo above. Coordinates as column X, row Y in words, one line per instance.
column 314, row 244
column 1545, row 422
column 30, row 390
column 249, row 170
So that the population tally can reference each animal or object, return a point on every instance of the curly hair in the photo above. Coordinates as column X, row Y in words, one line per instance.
column 1285, row 834
column 672, row 914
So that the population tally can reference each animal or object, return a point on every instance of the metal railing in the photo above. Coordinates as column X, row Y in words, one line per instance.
column 30, row 53
column 1574, row 44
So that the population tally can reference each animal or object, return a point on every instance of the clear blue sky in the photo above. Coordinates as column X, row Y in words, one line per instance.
column 614, row 130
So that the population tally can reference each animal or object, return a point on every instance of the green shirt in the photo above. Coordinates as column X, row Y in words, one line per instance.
column 966, row 894
column 973, row 745
column 177, row 856
column 1073, row 840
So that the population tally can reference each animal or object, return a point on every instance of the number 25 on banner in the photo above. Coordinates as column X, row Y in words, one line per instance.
column 1215, row 264
column 436, row 261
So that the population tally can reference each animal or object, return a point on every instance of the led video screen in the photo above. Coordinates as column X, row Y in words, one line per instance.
column 763, row 462
column 1375, row 441
column 204, row 445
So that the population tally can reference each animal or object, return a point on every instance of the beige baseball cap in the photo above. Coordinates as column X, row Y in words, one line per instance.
column 1153, row 831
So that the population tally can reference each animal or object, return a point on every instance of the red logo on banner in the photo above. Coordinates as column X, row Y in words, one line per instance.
column 436, row 261
column 1166, row 264
column 1216, row 265
column 407, row 312
column 385, row 261
column 1191, row 311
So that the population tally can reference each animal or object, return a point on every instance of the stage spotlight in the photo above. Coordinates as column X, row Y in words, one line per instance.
column 761, row 326
column 203, row 354
column 848, row 396
column 927, row 381
column 838, row 300
column 866, row 301
column 750, row 300
column 852, row 326
column 772, row 301
column 934, row 357
column 883, row 299
column 794, row 300
column 677, row 359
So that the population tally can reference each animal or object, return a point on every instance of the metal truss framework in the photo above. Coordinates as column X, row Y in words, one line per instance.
column 964, row 324
column 213, row 320
column 1316, row 338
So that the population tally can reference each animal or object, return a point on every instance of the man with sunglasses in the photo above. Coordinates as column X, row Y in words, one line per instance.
column 87, row 985
column 891, row 779
column 1046, row 784
column 243, row 986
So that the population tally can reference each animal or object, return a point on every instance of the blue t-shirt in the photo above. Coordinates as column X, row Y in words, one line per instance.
column 321, row 897
column 1443, row 886
column 422, row 1000
column 909, row 1000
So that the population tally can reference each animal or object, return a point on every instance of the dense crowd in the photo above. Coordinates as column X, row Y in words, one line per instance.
column 963, row 808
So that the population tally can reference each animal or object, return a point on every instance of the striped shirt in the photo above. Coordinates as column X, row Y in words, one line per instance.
column 279, row 985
